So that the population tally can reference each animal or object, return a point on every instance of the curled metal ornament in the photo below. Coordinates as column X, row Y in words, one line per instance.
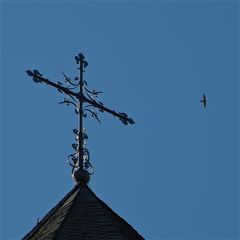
column 73, row 159
column 93, row 92
column 93, row 113
column 86, row 161
column 79, row 98
column 67, row 101
column 69, row 81
column 90, row 107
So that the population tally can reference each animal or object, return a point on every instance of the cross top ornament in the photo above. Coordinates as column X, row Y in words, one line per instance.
column 84, row 101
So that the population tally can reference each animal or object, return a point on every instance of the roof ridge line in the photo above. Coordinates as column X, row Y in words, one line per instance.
column 109, row 210
column 51, row 212
column 79, row 187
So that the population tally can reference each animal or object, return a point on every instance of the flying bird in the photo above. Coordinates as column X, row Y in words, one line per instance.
column 204, row 101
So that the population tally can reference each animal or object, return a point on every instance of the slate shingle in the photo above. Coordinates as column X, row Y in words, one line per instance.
column 82, row 215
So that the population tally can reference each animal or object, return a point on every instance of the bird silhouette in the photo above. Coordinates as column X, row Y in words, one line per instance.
column 204, row 101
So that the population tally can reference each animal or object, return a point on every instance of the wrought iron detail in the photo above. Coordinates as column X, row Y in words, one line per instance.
column 80, row 159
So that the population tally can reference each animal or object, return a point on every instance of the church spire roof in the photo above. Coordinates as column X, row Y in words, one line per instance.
column 82, row 215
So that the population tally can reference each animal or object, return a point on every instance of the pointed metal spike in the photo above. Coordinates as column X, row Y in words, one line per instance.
column 38, row 221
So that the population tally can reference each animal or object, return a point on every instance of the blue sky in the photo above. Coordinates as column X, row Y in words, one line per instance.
column 172, row 175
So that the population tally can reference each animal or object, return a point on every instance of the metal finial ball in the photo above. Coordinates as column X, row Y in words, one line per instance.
column 81, row 176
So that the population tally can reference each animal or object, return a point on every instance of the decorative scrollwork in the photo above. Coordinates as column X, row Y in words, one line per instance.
column 69, row 81
column 93, row 114
column 80, row 159
column 67, row 101
column 73, row 159
column 93, row 92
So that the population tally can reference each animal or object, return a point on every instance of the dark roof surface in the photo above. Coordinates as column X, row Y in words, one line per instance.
column 82, row 215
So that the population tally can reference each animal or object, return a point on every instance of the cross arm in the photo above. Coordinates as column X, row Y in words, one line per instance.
column 122, row 116
column 40, row 79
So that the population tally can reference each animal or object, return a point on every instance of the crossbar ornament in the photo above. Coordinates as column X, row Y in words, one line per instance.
column 85, row 103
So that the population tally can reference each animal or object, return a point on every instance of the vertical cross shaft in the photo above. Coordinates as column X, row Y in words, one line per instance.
column 79, row 160
column 80, row 129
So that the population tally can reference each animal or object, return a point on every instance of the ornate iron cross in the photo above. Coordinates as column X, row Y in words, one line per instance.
column 84, row 102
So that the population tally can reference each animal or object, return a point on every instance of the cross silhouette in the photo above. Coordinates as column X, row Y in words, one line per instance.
column 80, row 159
